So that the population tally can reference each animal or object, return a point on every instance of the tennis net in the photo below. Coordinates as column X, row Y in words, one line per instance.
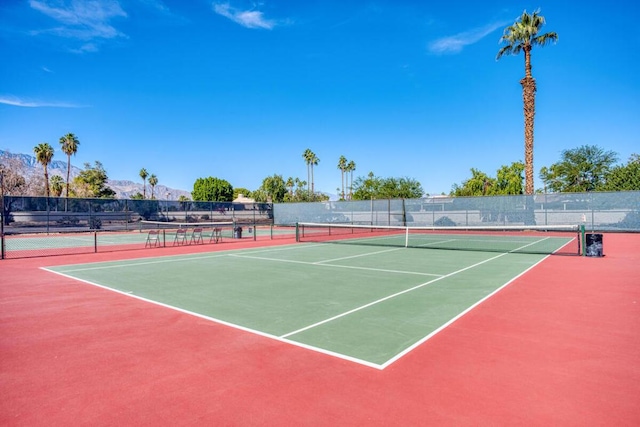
column 517, row 239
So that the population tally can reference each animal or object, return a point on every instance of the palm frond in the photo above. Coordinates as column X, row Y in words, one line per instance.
column 546, row 39
column 523, row 34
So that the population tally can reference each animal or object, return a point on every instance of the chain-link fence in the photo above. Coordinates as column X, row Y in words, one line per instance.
column 92, row 219
column 616, row 211
column 90, row 224
column 29, row 214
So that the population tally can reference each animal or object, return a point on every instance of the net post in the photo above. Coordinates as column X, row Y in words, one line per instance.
column 1, row 212
column 582, row 243
column 297, row 232
column 406, row 236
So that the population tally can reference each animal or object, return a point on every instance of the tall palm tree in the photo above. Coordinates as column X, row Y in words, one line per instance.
column 144, row 174
column 313, row 161
column 289, row 185
column 307, row 159
column 44, row 154
column 342, row 165
column 69, row 144
column 153, row 181
column 523, row 36
column 351, row 166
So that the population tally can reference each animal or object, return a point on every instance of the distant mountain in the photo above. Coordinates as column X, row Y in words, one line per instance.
column 124, row 189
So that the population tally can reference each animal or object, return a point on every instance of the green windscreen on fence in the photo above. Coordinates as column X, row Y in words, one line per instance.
column 615, row 211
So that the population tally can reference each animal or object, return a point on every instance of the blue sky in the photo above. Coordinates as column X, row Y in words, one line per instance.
column 239, row 89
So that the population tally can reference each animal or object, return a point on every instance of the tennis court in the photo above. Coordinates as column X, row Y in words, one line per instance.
column 275, row 332
column 367, row 303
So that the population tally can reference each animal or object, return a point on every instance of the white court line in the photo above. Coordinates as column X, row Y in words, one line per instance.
column 403, row 292
column 283, row 338
column 225, row 323
column 357, row 256
column 173, row 258
column 362, row 307
column 416, row 273
column 445, row 325
column 135, row 264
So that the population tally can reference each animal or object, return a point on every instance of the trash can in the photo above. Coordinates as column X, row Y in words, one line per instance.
column 593, row 245
column 237, row 233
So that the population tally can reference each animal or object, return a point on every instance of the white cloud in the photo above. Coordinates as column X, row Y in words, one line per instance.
column 19, row 102
column 157, row 5
column 457, row 42
column 81, row 19
column 246, row 18
column 85, row 48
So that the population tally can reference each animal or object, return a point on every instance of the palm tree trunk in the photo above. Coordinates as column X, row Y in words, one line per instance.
column 351, row 184
column 529, row 97
column 313, row 190
column 68, row 173
column 46, row 182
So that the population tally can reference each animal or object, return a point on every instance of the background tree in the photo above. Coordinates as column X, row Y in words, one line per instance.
column 273, row 189
column 624, row 177
column 290, row 183
column 212, row 190
column 581, row 169
column 402, row 188
column 153, row 181
column 373, row 187
column 311, row 160
column 69, row 144
column 144, row 174
column 508, row 181
column 342, row 165
column 57, row 185
column 44, row 155
column 522, row 36
column 300, row 194
column 351, row 167
column 480, row 184
column 13, row 182
column 306, row 155
column 237, row 191
column 92, row 182
column 366, row 188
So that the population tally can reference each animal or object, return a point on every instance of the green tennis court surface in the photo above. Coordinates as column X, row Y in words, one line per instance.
column 367, row 304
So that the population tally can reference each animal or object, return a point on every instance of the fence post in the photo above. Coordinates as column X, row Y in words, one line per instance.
column 404, row 213
column 1, row 213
